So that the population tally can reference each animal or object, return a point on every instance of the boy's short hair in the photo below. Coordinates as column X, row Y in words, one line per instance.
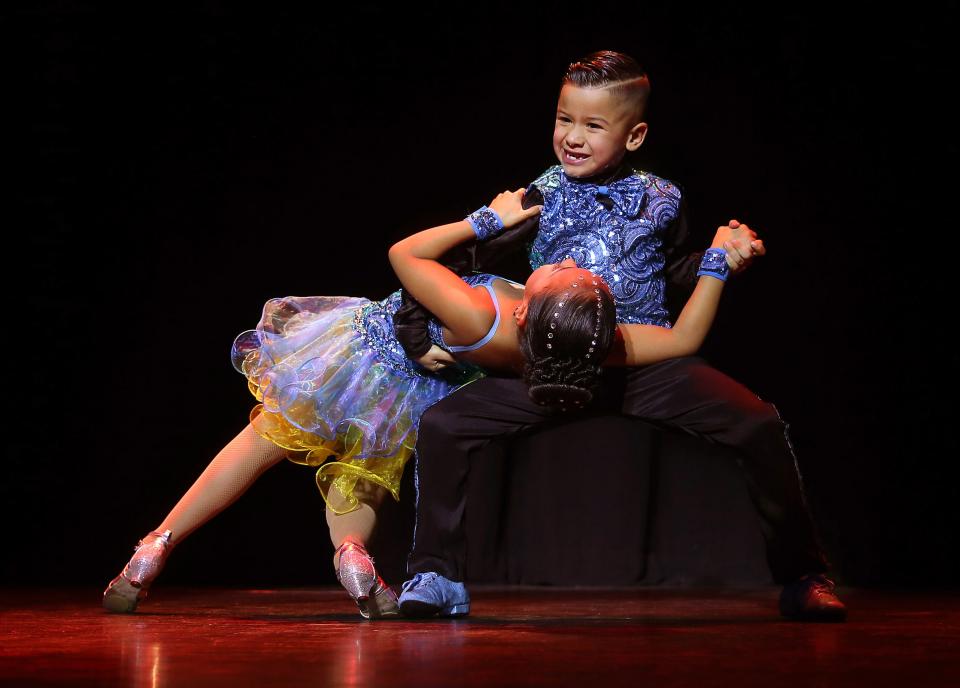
column 625, row 78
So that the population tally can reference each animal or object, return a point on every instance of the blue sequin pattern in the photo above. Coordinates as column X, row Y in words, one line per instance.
column 374, row 323
column 622, row 243
column 714, row 263
column 485, row 222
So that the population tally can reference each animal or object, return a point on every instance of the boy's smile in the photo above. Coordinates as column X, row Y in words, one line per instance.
column 594, row 130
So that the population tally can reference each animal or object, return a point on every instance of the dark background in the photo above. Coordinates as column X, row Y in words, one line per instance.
column 181, row 167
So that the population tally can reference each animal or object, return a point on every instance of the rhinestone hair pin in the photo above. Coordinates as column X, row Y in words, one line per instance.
column 563, row 299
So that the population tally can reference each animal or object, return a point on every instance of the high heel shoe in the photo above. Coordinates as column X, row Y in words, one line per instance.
column 127, row 589
column 359, row 578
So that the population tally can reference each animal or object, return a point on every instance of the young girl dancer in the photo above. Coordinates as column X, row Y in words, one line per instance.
column 333, row 382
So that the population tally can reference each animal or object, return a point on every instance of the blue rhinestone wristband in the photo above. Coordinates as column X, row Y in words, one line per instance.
column 485, row 222
column 714, row 264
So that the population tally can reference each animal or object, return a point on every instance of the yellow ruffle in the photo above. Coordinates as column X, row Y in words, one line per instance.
column 336, row 458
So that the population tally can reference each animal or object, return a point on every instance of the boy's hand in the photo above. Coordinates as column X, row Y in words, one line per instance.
column 741, row 244
column 436, row 359
column 508, row 205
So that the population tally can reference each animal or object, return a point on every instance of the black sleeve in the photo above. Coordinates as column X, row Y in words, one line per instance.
column 410, row 325
column 504, row 255
column 682, row 262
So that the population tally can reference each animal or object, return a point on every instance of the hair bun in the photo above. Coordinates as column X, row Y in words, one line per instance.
column 561, row 397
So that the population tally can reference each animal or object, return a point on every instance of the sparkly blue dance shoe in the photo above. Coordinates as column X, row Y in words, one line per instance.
column 429, row 594
column 359, row 578
column 126, row 590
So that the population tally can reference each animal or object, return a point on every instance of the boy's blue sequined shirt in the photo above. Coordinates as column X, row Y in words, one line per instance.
column 615, row 231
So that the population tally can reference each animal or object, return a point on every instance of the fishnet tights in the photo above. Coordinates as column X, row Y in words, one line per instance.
column 233, row 470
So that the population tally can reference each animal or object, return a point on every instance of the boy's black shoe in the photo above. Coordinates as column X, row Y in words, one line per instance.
column 811, row 599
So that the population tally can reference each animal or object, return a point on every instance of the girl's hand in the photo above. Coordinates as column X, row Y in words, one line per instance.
column 508, row 205
column 725, row 233
column 741, row 244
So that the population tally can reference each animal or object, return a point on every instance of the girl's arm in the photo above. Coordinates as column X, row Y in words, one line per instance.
column 637, row 345
column 463, row 310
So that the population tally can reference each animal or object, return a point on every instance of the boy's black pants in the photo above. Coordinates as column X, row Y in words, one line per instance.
column 684, row 394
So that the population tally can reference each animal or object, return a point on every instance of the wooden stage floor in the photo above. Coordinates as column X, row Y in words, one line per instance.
column 514, row 637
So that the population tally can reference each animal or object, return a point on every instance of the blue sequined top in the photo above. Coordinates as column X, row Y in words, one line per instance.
column 615, row 231
column 374, row 322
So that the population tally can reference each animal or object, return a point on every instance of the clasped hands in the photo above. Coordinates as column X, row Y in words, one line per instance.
column 742, row 246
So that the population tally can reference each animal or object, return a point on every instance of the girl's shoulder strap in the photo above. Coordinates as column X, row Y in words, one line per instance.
column 485, row 280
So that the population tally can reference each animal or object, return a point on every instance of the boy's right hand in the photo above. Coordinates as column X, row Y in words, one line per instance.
column 508, row 205
column 741, row 244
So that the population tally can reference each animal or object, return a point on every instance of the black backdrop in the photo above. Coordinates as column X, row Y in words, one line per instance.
column 174, row 170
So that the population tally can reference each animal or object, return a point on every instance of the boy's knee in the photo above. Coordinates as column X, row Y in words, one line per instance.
column 369, row 493
column 434, row 423
column 759, row 420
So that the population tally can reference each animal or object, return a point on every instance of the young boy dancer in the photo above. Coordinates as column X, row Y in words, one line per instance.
column 626, row 227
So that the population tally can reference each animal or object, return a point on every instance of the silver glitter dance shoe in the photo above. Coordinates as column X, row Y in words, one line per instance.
column 127, row 589
column 359, row 578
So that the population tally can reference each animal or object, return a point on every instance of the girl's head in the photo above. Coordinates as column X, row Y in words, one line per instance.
column 567, row 322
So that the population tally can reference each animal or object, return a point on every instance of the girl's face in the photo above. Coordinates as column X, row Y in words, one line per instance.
column 548, row 276
column 560, row 277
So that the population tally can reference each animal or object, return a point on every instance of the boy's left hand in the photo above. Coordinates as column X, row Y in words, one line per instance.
column 436, row 359
column 743, row 247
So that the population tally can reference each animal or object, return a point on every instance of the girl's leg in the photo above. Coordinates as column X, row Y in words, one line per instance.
column 357, row 525
column 234, row 469
column 350, row 532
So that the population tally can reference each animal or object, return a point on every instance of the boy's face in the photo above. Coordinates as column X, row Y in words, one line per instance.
column 593, row 130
